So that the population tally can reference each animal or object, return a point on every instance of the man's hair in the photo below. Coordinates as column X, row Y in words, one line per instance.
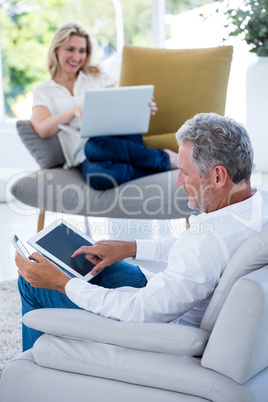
column 218, row 140
column 62, row 36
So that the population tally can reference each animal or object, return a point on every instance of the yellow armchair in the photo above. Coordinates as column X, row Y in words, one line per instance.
column 187, row 81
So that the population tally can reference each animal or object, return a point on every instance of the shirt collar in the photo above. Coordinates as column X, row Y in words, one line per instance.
column 252, row 203
column 81, row 77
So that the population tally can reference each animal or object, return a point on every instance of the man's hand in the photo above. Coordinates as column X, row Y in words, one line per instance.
column 107, row 252
column 41, row 273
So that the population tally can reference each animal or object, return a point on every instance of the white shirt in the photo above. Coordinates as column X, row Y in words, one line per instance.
column 195, row 262
column 58, row 100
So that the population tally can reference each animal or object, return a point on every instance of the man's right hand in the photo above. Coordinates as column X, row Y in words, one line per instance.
column 107, row 252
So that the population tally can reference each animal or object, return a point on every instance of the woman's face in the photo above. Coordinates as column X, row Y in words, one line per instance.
column 72, row 55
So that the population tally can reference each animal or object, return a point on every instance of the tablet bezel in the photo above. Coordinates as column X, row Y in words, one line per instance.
column 33, row 242
column 20, row 247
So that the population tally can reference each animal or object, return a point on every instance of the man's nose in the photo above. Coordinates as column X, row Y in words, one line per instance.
column 180, row 181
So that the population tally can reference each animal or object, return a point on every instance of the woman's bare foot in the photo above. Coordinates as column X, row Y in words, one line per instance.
column 173, row 158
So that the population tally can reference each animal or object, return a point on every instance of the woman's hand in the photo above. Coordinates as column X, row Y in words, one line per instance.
column 106, row 252
column 46, row 125
column 153, row 107
column 41, row 273
column 77, row 112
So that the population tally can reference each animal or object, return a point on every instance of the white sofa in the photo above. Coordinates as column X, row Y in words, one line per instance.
column 86, row 357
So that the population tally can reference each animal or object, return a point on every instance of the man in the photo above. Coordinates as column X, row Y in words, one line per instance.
column 215, row 162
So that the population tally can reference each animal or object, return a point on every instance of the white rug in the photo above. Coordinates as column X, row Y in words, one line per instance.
column 10, row 321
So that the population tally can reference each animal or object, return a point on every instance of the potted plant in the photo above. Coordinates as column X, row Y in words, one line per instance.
column 249, row 20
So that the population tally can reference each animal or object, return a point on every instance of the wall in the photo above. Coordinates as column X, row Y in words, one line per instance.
column 13, row 154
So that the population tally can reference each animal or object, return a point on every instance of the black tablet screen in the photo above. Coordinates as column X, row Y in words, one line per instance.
column 62, row 243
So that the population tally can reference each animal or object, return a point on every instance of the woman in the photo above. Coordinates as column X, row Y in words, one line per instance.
column 106, row 161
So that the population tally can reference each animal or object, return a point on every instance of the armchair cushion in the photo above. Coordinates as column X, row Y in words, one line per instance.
column 47, row 153
column 163, row 338
column 186, row 81
column 126, row 365
column 238, row 345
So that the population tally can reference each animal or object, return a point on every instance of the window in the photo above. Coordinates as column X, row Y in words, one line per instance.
column 27, row 27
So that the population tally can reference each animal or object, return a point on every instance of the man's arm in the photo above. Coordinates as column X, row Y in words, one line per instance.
column 191, row 276
column 107, row 252
column 41, row 273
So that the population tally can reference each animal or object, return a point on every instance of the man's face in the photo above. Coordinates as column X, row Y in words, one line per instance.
column 199, row 190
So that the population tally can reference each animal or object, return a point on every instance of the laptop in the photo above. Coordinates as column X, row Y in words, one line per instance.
column 114, row 111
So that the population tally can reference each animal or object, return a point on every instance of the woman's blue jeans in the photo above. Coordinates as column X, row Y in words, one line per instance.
column 111, row 161
column 115, row 276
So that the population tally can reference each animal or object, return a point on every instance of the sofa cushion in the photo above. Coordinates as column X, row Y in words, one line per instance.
column 150, row 369
column 252, row 255
column 187, row 81
column 238, row 344
column 46, row 152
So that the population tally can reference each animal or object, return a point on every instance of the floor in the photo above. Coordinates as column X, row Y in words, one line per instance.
column 16, row 218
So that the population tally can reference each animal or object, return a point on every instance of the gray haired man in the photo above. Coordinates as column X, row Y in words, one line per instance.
column 215, row 162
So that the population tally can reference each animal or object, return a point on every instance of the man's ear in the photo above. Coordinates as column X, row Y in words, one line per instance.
column 220, row 176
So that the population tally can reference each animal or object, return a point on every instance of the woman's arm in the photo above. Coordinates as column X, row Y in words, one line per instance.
column 46, row 125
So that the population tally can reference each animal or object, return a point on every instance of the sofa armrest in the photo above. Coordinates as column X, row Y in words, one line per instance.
column 238, row 344
column 166, row 338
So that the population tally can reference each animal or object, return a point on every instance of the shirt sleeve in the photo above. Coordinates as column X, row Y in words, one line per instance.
column 154, row 250
column 40, row 98
column 192, row 273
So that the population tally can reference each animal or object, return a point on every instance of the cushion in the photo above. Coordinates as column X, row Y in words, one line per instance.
column 238, row 345
column 252, row 255
column 130, row 366
column 180, row 340
column 187, row 81
column 47, row 152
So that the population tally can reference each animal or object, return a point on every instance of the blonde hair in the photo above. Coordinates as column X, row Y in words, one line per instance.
column 62, row 36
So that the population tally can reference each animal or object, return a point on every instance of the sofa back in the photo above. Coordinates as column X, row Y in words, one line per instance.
column 251, row 256
column 186, row 81
column 238, row 344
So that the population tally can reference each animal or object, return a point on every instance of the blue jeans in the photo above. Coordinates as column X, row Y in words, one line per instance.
column 111, row 161
column 115, row 276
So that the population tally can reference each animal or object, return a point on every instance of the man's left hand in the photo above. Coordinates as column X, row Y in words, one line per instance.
column 41, row 273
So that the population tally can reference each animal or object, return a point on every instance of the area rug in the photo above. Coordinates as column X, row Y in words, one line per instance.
column 10, row 321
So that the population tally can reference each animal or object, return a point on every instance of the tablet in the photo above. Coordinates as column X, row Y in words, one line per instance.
column 58, row 242
column 19, row 246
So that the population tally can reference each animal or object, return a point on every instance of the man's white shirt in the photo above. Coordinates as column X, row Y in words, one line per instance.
column 194, row 261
